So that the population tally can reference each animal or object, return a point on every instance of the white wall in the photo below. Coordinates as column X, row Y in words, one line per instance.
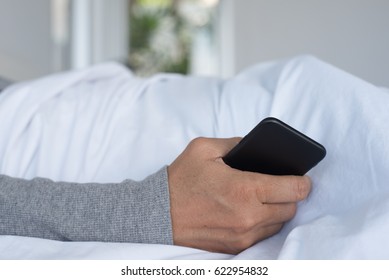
column 39, row 37
column 25, row 42
column 99, row 31
column 352, row 34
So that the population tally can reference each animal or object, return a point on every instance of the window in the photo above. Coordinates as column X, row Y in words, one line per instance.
column 172, row 36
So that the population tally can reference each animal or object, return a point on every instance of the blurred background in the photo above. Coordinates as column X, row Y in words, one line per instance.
column 197, row 37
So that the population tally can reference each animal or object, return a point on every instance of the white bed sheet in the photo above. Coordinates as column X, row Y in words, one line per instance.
column 103, row 124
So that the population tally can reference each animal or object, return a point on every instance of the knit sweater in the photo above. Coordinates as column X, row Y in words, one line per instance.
column 130, row 211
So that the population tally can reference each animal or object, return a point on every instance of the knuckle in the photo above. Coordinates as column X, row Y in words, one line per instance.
column 261, row 194
column 197, row 141
column 302, row 187
column 276, row 229
column 292, row 211
column 197, row 144
column 243, row 192
column 240, row 244
column 244, row 224
column 249, row 197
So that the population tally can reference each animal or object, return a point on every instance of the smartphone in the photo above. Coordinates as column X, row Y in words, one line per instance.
column 273, row 147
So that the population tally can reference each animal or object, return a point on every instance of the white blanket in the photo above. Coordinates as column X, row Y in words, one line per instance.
column 103, row 124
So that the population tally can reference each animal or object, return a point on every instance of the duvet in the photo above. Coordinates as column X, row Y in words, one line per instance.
column 103, row 124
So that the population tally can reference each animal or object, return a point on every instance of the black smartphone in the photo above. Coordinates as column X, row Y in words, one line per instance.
column 273, row 147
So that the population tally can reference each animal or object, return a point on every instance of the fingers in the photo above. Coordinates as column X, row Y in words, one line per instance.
column 230, row 241
column 218, row 208
column 278, row 189
column 280, row 213
column 263, row 216
column 247, row 235
column 268, row 188
column 243, row 240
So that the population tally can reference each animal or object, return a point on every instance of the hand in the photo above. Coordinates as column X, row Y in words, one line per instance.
column 217, row 208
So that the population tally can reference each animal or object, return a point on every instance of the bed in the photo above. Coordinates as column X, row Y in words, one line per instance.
column 4, row 83
column 93, row 124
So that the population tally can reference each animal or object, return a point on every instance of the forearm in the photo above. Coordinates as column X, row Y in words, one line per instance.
column 130, row 211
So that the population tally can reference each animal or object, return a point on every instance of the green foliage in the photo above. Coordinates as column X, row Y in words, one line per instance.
column 148, row 52
column 141, row 29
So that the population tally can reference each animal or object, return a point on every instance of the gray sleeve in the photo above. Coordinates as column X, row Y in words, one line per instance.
column 129, row 211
